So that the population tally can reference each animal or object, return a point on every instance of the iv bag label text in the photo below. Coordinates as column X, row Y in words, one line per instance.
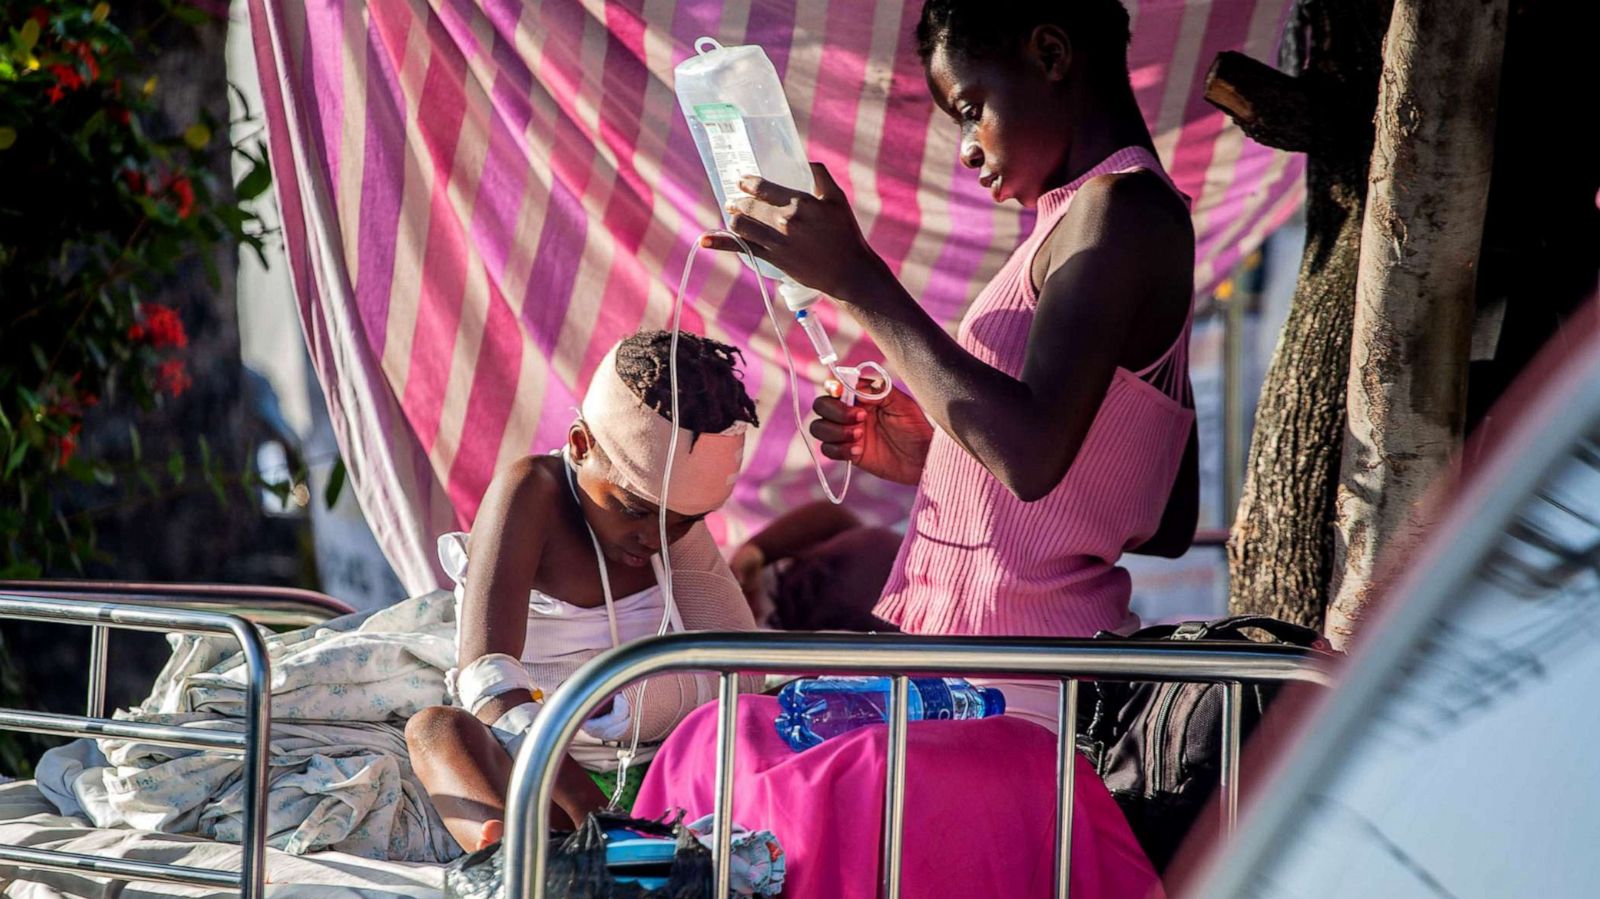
column 730, row 145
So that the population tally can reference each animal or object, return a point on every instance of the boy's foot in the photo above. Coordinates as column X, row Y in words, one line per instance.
column 491, row 833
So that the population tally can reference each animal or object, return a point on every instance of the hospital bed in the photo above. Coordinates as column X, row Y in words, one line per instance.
column 45, row 854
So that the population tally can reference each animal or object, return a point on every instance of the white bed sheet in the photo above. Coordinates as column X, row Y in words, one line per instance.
column 28, row 819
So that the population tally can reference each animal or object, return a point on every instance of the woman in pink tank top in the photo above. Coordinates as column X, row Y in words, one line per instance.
column 1054, row 431
column 1048, row 437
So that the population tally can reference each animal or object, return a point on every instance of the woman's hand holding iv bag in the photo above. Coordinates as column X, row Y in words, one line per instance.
column 815, row 240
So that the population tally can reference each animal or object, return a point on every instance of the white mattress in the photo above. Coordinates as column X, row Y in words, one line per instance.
column 28, row 819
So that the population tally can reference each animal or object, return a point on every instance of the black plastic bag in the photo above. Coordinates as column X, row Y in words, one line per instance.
column 578, row 868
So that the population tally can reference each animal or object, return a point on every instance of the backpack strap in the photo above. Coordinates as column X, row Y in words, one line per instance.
column 1231, row 629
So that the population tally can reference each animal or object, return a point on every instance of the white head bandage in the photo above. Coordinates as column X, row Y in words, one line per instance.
column 635, row 438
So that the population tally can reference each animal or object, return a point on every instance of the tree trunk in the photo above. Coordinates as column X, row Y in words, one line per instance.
column 1429, row 184
column 1281, row 551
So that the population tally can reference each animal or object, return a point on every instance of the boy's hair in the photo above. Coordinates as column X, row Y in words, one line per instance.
column 977, row 29
column 711, row 396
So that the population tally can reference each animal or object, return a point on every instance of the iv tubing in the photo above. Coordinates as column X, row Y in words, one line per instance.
column 668, row 601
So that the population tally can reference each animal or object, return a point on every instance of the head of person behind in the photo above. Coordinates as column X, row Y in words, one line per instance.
column 618, row 446
column 1027, row 82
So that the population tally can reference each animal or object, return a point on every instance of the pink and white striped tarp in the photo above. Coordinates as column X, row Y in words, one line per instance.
column 479, row 196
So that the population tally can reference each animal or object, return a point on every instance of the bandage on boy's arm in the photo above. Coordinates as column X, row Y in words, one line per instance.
column 493, row 684
column 506, row 544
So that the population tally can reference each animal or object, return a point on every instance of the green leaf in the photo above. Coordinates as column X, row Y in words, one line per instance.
column 218, row 489
column 175, row 467
column 256, row 181
column 280, row 489
column 197, row 136
column 134, row 443
column 336, row 478
column 22, row 571
column 205, row 455
column 17, row 453
column 188, row 15
column 28, row 36
column 149, row 482
column 80, row 470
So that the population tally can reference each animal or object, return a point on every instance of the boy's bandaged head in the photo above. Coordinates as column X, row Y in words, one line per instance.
column 635, row 437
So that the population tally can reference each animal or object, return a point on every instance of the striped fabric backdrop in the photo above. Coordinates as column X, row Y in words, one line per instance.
column 480, row 196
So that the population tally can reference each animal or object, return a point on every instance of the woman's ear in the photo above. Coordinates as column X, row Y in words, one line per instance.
column 1051, row 50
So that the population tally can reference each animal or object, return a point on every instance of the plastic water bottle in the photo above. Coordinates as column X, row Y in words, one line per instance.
column 818, row 708
column 742, row 125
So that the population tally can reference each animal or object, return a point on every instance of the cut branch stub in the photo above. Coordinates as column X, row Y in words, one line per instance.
column 1274, row 109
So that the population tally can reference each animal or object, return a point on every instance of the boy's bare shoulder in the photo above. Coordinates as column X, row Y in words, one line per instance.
column 526, row 485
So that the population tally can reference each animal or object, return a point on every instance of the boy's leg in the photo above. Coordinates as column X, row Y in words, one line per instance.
column 466, row 773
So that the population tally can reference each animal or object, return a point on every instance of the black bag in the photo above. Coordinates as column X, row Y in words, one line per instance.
column 1158, row 746
column 578, row 869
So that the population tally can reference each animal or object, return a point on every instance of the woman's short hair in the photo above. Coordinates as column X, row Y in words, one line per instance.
column 980, row 29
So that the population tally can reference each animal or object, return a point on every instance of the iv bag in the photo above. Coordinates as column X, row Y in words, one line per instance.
column 741, row 123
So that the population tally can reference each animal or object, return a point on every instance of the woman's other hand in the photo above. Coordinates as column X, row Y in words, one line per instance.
column 887, row 437
column 814, row 239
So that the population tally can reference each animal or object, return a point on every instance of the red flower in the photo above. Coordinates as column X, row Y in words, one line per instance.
column 55, row 94
column 67, row 445
column 86, row 53
column 173, row 378
column 163, row 325
column 136, row 332
column 133, row 177
column 40, row 15
column 66, row 76
column 185, row 193
column 120, row 113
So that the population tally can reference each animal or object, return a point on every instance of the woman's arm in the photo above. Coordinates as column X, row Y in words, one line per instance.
column 1120, row 248
column 506, row 543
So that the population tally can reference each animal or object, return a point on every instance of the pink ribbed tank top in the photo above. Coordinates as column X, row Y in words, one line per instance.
column 977, row 560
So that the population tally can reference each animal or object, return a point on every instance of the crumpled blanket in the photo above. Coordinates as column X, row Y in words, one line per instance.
column 339, row 777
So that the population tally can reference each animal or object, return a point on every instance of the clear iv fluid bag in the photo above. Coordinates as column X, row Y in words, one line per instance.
column 741, row 123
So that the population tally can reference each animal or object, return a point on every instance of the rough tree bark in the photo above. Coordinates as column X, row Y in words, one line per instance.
column 1281, row 551
column 1428, row 188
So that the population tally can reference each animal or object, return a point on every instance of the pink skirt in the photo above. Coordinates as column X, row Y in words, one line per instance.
column 979, row 813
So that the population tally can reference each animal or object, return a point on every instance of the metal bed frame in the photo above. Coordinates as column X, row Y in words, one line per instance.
column 901, row 657
column 187, row 608
column 198, row 609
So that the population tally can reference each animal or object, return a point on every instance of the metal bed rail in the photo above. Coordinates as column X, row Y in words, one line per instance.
column 900, row 657
column 271, row 606
column 252, row 744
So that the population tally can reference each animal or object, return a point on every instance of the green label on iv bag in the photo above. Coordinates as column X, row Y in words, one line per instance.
column 716, row 112
column 731, row 152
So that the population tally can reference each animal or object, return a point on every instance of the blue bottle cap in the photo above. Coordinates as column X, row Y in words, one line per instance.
column 994, row 701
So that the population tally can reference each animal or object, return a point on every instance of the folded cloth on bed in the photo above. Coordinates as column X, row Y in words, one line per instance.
column 339, row 777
